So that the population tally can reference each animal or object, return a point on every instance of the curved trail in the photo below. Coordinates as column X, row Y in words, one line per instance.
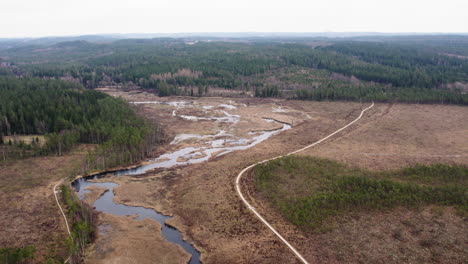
column 63, row 214
column 60, row 207
column 239, row 176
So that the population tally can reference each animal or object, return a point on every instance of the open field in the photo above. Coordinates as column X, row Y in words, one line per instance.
column 403, row 135
column 202, row 199
column 31, row 216
column 201, row 196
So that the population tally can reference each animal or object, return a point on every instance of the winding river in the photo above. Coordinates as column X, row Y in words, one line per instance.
column 216, row 145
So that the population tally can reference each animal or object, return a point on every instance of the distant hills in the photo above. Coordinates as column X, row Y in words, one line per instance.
column 102, row 38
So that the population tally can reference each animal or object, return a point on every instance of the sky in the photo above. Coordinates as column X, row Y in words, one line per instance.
column 36, row 18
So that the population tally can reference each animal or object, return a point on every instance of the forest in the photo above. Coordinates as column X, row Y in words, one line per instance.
column 67, row 114
column 414, row 69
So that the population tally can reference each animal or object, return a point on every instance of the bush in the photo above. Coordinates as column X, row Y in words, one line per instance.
column 83, row 223
column 17, row 255
column 337, row 190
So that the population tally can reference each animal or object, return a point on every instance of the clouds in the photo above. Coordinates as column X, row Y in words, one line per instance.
column 65, row 17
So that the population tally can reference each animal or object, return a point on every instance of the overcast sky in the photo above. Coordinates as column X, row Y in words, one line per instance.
column 33, row 18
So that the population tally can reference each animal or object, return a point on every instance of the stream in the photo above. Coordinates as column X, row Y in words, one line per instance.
column 107, row 205
column 212, row 146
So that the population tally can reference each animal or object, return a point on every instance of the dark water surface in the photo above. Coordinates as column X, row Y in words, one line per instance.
column 107, row 205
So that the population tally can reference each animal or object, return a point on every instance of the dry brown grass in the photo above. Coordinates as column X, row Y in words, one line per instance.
column 201, row 196
column 130, row 241
column 428, row 235
column 30, row 215
column 126, row 240
column 208, row 212
column 402, row 135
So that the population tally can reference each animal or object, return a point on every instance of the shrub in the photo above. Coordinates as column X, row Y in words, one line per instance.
column 336, row 189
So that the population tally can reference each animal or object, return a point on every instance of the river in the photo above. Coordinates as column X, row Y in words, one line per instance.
column 214, row 146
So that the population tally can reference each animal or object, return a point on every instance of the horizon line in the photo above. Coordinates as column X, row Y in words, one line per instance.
column 251, row 33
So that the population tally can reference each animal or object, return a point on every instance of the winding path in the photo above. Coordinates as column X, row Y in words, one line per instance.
column 63, row 213
column 250, row 207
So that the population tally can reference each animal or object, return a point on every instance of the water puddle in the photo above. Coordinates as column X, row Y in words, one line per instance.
column 191, row 155
column 208, row 146
column 181, row 137
column 227, row 106
column 228, row 118
column 183, row 104
column 180, row 104
column 279, row 109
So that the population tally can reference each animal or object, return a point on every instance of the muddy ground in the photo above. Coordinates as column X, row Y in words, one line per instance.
column 206, row 208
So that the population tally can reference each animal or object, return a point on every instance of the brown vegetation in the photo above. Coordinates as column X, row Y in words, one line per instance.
column 428, row 235
column 126, row 240
column 201, row 197
column 30, row 215
column 206, row 209
column 400, row 135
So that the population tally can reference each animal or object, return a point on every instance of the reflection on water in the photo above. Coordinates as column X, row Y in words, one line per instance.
column 220, row 144
column 107, row 205
column 191, row 155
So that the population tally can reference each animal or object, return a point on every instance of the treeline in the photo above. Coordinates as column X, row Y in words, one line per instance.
column 67, row 115
column 406, row 69
column 379, row 93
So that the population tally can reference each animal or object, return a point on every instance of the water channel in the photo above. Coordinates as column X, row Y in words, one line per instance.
column 217, row 145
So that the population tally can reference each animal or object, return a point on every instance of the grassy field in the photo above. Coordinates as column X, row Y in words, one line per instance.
column 309, row 192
